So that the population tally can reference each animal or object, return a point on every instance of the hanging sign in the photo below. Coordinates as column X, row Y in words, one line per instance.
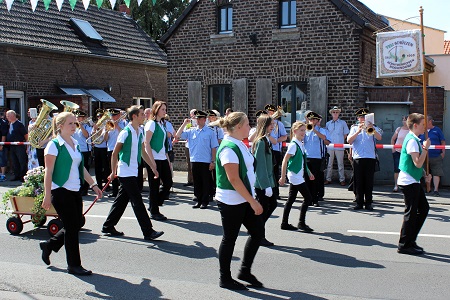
column 399, row 54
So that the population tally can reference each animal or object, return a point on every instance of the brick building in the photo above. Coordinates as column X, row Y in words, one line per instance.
column 297, row 54
column 48, row 54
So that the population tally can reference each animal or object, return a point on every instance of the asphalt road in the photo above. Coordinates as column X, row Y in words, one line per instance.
column 351, row 255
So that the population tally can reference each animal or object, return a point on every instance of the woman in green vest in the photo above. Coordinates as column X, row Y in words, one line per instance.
column 64, row 175
column 265, row 181
column 412, row 158
column 236, row 201
column 294, row 164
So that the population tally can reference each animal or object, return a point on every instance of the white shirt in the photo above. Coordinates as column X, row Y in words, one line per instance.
column 403, row 177
column 295, row 178
column 150, row 126
column 73, row 183
column 227, row 156
column 124, row 170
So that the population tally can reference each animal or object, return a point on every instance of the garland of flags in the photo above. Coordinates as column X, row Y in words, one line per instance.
column 59, row 3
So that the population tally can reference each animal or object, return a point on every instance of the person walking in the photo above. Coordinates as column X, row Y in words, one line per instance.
column 125, row 159
column 294, row 163
column 17, row 133
column 236, row 201
column 397, row 140
column 101, row 163
column 412, row 158
column 337, row 133
column 265, row 180
column 64, row 174
column 111, row 139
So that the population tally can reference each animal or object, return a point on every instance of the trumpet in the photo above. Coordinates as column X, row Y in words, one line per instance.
column 110, row 124
column 370, row 130
column 98, row 136
column 309, row 127
column 86, row 121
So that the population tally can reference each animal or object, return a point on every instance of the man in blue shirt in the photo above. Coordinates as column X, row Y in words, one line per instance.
column 83, row 131
column 435, row 156
column 202, row 148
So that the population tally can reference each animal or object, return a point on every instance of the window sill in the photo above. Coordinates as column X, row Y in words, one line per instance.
column 222, row 38
column 282, row 34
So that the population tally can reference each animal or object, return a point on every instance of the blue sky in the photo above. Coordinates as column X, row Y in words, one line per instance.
column 436, row 12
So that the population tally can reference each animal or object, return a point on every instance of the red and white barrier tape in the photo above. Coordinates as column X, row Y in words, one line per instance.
column 14, row 143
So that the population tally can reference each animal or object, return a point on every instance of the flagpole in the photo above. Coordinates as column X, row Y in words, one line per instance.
column 424, row 88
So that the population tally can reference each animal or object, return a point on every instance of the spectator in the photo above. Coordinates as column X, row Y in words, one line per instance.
column 397, row 139
column 17, row 133
column 3, row 150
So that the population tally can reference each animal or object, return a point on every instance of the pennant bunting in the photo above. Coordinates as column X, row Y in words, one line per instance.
column 47, row 4
column 99, row 3
column 1, row 1
column 113, row 3
column 72, row 4
column 9, row 4
column 127, row 2
column 139, row 2
column 59, row 4
column 33, row 4
column 86, row 4
column 154, row 2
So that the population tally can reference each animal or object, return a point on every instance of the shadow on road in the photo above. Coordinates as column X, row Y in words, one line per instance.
column 200, row 227
column 196, row 251
column 353, row 239
column 267, row 293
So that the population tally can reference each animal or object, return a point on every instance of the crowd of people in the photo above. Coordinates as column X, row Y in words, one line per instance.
column 238, row 166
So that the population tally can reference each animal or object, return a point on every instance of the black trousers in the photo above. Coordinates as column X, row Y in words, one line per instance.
column 202, row 181
column 115, row 182
column 19, row 160
column 69, row 206
column 233, row 216
column 129, row 191
column 189, row 167
column 156, row 196
column 40, row 156
column 307, row 201
column 268, row 203
column 363, row 173
column 416, row 211
column 102, row 169
column 277, row 160
column 316, row 186
column 86, row 157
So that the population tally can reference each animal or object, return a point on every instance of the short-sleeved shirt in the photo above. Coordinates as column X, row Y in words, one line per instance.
column 103, row 143
column 73, row 183
column 112, row 137
column 336, row 131
column 124, row 170
column 278, row 131
column 364, row 144
column 401, row 134
column 436, row 137
column 81, row 139
column 150, row 126
column 228, row 156
column 218, row 132
column 313, row 143
column 171, row 130
column 201, row 143
column 403, row 177
column 295, row 178
column 16, row 132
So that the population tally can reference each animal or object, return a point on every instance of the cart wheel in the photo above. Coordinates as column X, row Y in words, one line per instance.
column 54, row 226
column 83, row 221
column 41, row 223
column 14, row 225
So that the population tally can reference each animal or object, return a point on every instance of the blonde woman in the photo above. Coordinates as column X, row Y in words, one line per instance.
column 62, row 189
column 236, row 201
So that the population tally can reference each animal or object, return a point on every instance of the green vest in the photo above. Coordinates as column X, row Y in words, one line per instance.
column 221, row 176
column 125, row 152
column 61, row 171
column 295, row 162
column 406, row 163
column 158, row 141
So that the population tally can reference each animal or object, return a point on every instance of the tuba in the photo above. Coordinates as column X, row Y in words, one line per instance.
column 279, row 113
column 42, row 128
column 69, row 106
column 105, row 121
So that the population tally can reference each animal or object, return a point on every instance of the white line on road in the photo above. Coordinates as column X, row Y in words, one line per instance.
column 397, row 233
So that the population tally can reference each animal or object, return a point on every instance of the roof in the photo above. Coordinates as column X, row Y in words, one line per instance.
column 50, row 31
column 354, row 9
column 446, row 47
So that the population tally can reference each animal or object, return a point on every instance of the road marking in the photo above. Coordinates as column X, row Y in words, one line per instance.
column 397, row 233
column 104, row 217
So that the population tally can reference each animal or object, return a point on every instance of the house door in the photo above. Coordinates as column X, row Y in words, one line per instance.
column 387, row 117
column 15, row 101
column 292, row 98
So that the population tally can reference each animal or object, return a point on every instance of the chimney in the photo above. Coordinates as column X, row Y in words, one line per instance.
column 124, row 9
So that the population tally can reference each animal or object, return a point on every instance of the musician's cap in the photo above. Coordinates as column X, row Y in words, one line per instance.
column 200, row 114
column 261, row 112
column 313, row 115
column 362, row 112
column 213, row 113
column 114, row 111
column 270, row 107
column 79, row 113
column 335, row 108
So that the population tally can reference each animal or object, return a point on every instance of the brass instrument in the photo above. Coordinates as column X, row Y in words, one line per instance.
column 309, row 127
column 98, row 136
column 110, row 124
column 214, row 123
column 42, row 128
column 86, row 121
column 279, row 113
column 370, row 130
column 69, row 106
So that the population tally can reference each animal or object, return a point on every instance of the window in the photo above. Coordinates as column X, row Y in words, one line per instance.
column 288, row 13
column 292, row 98
column 146, row 102
column 225, row 19
column 86, row 29
column 219, row 97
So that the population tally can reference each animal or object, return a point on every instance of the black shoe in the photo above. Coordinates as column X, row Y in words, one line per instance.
column 436, row 193
column 264, row 242
column 232, row 284
column 369, row 207
column 111, row 231
column 417, row 247
column 204, row 206
column 45, row 252
column 188, row 184
column 305, row 228
column 159, row 217
column 153, row 235
column 410, row 251
column 80, row 271
column 196, row 205
column 250, row 278
column 288, row 227
column 357, row 207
